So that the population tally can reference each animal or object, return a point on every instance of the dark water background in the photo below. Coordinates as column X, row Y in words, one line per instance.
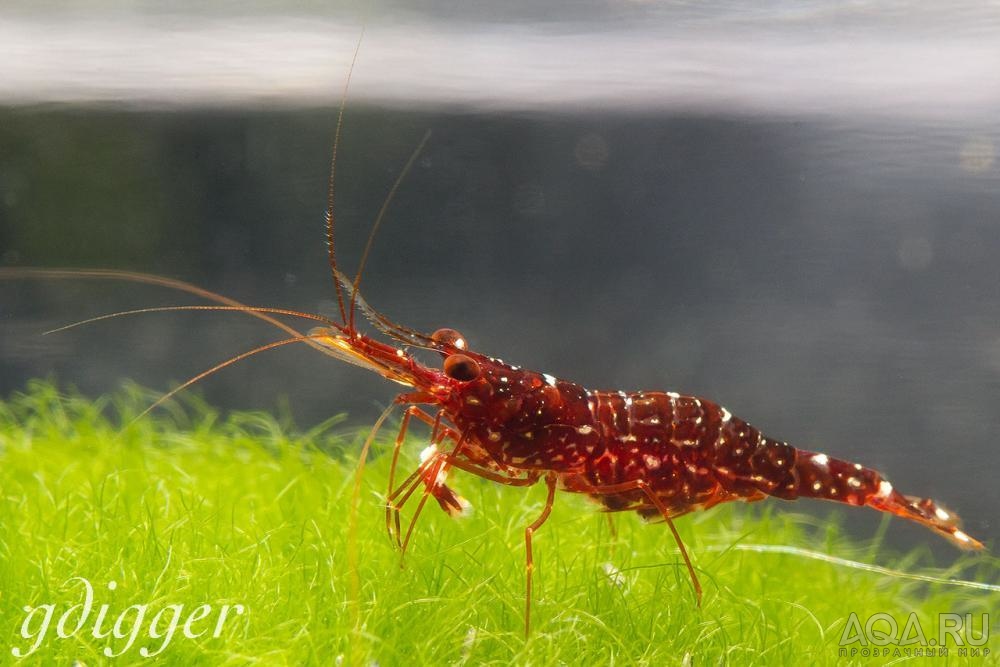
column 831, row 278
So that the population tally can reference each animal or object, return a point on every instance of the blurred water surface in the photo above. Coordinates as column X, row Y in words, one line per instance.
column 899, row 58
column 792, row 209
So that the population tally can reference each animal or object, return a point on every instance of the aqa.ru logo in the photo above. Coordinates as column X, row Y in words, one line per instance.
column 881, row 635
column 128, row 625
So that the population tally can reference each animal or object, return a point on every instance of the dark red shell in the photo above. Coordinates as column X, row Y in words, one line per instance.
column 690, row 452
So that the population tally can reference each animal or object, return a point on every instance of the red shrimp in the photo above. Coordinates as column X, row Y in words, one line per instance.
column 660, row 454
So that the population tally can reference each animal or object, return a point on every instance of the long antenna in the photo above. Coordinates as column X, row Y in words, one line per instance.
column 170, row 283
column 330, row 248
column 218, row 367
column 144, row 278
column 378, row 221
column 169, row 309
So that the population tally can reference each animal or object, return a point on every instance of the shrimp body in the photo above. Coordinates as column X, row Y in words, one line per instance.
column 659, row 454
column 680, row 453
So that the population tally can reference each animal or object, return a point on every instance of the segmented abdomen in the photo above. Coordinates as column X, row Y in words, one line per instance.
column 692, row 452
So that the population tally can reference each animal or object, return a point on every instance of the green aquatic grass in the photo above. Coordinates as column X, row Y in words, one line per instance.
column 186, row 507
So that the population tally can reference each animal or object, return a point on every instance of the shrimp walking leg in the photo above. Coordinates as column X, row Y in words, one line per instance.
column 550, row 481
column 431, row 468
column 397, row 497
column 677, row 538
column 390, row 508
column 436, row 472
column 428, row 473
column 481, row 467
column 510, row 480
column 612, row 529
column 580, row 484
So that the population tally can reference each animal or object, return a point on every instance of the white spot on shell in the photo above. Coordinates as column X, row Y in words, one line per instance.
column 652, row 462
column 961, row 537
column 549, row 379
column 673, row 394
column 854, row 482
column 821, row 459
column 941, row 514
column 858, row 466
column 585, row 429
column 472, row 400
column 884, row 489
column 726, row 415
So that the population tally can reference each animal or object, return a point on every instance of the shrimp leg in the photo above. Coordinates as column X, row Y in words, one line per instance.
column 449, row 501
column 435, row 473
column 677, row 537
column 550, row 481
column 390, row 508
column 578, row 483
column 429, row 472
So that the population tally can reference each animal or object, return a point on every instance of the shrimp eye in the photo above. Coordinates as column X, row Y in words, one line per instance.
column 449, row 337
column 460, row 367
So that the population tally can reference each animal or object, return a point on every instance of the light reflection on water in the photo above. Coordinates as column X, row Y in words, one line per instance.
column 820, row 58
